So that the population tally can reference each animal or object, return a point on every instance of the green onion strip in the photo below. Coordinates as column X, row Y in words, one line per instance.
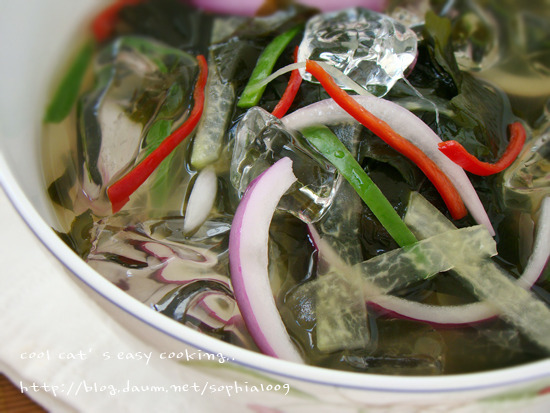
column 67, row 92
column 328, row 144
column 254, row 90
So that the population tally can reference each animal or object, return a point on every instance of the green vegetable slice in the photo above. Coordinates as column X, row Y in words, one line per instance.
column 253, row 92
column 67, row 91
column 328, row 144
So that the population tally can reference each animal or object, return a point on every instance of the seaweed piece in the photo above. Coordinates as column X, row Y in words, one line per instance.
column 170, row 21
column 78, row 237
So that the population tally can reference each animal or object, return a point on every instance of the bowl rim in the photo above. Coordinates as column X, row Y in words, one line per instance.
column 455, row 383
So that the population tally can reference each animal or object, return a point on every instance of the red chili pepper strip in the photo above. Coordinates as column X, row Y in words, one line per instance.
column 104, row 23
column 290, row 92
column 119, row 192
column 458, row 154
column 380, row 128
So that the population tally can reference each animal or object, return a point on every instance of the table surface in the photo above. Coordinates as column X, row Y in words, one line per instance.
column 12, row 400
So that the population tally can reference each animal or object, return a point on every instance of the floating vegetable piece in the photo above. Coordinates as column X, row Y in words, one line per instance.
column 398, row 268
column 489, row 282
column 371, row 48
column 376, row 278
column 456, row 152
column 219, row 101
column 423, row 217
column 379, row 280
column 421, row 212
column 330, row 147
column 516, row 305
column 119, row 193
column 407, row 125
column 252, row 92
column 248, row 258
column 67, row 92
column 377, row 285
column 446, row 189
column 340, row 311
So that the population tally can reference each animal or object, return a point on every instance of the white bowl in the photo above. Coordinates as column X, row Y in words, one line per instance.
column 35, row 38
